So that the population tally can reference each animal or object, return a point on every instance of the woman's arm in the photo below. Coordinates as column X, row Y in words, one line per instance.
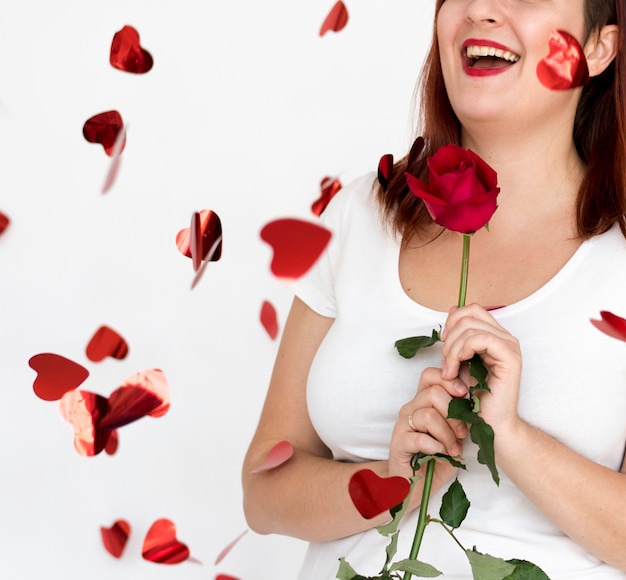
column 307, row 497
column 584, row 499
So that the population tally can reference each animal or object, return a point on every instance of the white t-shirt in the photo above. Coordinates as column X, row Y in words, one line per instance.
column 573, row 388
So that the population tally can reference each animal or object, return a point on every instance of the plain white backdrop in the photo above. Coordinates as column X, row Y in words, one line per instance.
column 246, row 109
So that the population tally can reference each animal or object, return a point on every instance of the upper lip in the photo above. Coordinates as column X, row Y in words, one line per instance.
column 498, row 49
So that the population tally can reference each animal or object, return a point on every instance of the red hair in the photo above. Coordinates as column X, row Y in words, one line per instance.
column 599, row 136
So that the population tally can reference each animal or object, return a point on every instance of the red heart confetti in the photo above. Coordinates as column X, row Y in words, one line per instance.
column 269, row 319
column 329, row 188
column 566, row 66
column 116, row 160
column 115, row 537
column 207, row 234
column 217, row 244
column 96, row 418
column 336, row 20
column 611, row 324
column 228, row 548
column 161, row 545
column 106, row 342
column 104, row 128
column 83, row 410
column 4, row 222
column 56, row 375
column 372, row 495
column 297, row 245
column 127, row 54
column 225, row 577
column 195, row 241
column 279, row 454
column 385, row 168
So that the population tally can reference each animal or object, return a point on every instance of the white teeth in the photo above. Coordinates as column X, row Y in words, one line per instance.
column 478, row 51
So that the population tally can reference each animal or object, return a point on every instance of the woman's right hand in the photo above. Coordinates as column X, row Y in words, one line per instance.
column 422, row 426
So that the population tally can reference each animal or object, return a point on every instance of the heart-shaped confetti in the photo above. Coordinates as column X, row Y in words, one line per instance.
column 228, row 548
column 4, row 222
column 565, row 67
column 106, row 342
column 372, row 495
column 269, row 319
column 127, row 54
column 56, row 375
column 279, row 454
column 161, row 545
column 414, row 154
column 95, row 418
column 203, row 237
column 329, row 188
column 83, row 410
column 225, row 577
column 611, row 324
column 116, row 160
column 297, row 245
column 385, row 168
column 104, row 129
column 336, row 20
column 115, row 537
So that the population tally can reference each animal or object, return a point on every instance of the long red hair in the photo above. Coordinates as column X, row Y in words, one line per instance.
column 599, row 136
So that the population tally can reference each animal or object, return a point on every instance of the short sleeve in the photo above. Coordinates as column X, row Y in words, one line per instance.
column 317, row 287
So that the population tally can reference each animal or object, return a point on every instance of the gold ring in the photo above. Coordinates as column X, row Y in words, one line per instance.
column 411, row 423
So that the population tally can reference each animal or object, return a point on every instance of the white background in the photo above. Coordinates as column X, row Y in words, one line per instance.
column 246, row 109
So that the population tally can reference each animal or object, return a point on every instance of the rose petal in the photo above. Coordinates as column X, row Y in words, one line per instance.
column 372, row 495
column 4, row 222
column 269, row 319
column 161, row 545
column 127, row 54
column 336, row 20
column 329, row 188
column 611, row 324
column 56, row 375
column 565, row 67
column 104, row 129
column 115, row 537
column 297, row 245
column 228, row 548
column 106, row 342
column 279, row 454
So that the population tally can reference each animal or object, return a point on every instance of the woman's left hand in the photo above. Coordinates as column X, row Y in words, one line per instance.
column 472, row 330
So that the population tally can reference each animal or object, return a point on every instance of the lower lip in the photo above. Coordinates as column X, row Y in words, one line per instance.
column 484, row 72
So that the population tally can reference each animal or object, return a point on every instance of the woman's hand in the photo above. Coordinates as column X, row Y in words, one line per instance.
column 422, row 426
column 472, row 330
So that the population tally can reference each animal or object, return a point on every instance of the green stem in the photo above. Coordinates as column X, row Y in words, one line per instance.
column 467, row 238
column 430, row 466
column 421, row 520
column 447, row 529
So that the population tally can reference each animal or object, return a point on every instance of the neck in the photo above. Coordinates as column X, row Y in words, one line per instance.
column 539, row 173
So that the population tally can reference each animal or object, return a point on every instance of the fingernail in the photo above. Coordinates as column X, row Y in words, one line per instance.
column 460, row 388
column 455, row 449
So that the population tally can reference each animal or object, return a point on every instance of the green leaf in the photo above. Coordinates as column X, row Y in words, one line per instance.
column 408, row 347
column 391, row 550
column 478, row 370
column 420, row 459
column 486, row 567
column 526, row 571
column 346, row 572
column 398, row 512
column 416, row 568
column 482, row 435
column 480, row 432
column 454, row 505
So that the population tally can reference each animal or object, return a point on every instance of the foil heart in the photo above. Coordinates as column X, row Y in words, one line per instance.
column 565, row 67
column 127, row 54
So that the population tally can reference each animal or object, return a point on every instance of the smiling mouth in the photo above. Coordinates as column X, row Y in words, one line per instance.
column 488, row 57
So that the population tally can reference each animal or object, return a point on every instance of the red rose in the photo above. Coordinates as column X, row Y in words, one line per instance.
column 461, row 191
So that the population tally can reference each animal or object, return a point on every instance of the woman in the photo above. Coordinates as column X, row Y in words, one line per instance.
column 554, row 256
